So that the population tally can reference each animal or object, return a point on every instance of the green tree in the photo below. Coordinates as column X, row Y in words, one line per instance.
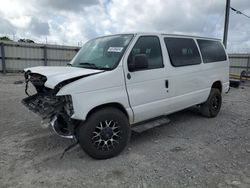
column 26, row 40
column 5, row 38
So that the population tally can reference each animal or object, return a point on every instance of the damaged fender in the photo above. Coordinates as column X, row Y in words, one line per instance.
column 56, row 110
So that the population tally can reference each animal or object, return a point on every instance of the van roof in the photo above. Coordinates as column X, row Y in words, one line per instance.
column 172, row 35
column 191, row 36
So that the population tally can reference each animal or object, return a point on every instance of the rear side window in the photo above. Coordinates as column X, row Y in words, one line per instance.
column 211, row 51
column 182, row 51
column 150, row 46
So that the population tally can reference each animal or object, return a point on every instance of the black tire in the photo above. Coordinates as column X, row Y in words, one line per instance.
column 212, row 106
column 105, row 133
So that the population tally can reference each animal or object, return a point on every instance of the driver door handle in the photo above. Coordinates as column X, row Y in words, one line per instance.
column 166, row 84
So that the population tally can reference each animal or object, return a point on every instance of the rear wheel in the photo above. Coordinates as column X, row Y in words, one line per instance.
column 105, row 133
column 212, row 106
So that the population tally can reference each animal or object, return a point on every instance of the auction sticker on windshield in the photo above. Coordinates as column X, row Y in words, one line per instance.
column 115, row 49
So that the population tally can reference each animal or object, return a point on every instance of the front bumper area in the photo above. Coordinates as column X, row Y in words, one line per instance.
column 45, row 106
column 52, row 110
column 56, row 128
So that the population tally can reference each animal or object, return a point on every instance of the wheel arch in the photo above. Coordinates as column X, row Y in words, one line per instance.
column 218, row 85
column 106, row 105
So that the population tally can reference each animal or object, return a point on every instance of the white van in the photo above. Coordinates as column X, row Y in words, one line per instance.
column 122, row 81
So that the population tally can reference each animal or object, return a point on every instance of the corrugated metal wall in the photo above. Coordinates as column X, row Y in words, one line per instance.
column 22, row 55
column 239, row 62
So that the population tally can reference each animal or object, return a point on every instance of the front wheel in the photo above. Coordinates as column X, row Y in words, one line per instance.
column 105, row 133
column 212, row 106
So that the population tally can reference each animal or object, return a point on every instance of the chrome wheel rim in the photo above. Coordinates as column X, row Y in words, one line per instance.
column 106, row 135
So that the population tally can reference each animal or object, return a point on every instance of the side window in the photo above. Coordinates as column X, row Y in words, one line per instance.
column 150, row 46
column 182, row 51
column 211, row 51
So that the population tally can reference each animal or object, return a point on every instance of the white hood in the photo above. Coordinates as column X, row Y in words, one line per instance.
column 57, row 74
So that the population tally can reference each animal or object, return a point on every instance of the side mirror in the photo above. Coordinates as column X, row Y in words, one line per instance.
column 139, row 62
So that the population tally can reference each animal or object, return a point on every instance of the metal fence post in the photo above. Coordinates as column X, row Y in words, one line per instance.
column 45, row 55
column 3, row 58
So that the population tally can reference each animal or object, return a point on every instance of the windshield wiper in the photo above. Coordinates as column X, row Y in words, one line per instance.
column 92, row 65
column 106, row 68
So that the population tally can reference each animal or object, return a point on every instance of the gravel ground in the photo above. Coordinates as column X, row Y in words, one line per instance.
column 191, row 151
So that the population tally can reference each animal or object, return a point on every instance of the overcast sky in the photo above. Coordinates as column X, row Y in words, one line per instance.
column 71, row 21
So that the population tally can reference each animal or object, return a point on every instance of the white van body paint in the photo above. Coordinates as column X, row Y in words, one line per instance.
column 144, row 96
column 57, row 74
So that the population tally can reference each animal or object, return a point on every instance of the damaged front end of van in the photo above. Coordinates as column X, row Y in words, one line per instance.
column 55, row 111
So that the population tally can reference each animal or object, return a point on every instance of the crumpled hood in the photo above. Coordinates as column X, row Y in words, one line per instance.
column 57, row 74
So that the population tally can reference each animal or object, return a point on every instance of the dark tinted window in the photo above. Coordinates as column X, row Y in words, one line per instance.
column 150, row 46
column 211, row 51
column 182, row 51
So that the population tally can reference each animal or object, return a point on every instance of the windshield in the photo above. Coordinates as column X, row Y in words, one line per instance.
column 102, row 53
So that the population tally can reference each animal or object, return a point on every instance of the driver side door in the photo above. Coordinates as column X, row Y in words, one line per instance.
column 147, row 88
